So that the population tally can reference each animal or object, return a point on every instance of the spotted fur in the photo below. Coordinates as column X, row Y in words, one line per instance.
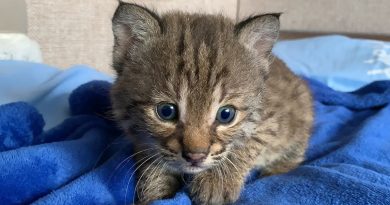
column 200, row 63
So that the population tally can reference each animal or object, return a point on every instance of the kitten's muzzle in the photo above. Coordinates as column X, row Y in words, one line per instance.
column 194, row 158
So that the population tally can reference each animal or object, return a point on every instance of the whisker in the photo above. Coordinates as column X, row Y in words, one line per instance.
column 144, row 150
column 105, row 149
column 107, row 116
column 125, row 161
column 225, row 157
column 153, row 172
column 139, row 179
column 220, row 177
column 184, row 180
column 223, row 170
column 128, row 183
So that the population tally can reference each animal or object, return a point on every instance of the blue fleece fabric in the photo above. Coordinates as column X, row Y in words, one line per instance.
column 85, row 160
column 341, row 63
column 44, row 87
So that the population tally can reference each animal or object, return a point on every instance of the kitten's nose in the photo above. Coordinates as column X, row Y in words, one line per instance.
column 194, row 158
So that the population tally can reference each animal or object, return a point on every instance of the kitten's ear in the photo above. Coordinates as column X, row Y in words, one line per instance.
column 259, row 33
column 133, row 26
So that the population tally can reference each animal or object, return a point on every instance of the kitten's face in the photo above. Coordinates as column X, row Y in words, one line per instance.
column 189, row 91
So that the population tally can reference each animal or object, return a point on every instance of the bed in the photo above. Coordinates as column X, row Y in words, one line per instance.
column 57, row 146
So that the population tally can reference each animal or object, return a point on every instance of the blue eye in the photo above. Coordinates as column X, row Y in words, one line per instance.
column 166, row 111
column 226, row 114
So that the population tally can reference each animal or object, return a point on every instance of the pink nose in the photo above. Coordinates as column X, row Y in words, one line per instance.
column 194, row 158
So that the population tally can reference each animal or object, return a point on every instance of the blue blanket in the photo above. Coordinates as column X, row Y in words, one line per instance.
column 44, row 87
column 84, row 160
column 341, row 63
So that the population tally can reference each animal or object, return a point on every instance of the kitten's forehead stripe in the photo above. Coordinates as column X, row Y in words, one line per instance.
column 198, row 49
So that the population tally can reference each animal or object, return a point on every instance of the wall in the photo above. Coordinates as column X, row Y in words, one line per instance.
column 340, row 16
column 79, row 31
column 13, row 16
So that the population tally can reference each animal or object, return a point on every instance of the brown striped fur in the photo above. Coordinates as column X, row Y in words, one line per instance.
column 200, row 63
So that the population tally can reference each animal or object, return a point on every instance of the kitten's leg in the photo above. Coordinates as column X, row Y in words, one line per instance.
column 155, row 182
column 282, row 165
column 219, row 185
column 279, row 168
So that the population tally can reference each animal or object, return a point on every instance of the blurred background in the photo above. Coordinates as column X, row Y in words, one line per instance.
column 79, row 31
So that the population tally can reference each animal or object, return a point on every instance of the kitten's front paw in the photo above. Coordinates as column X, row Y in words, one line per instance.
column 154, row 187
column 215, row 188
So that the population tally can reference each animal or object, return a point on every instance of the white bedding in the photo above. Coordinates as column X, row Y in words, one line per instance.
column 16, row 46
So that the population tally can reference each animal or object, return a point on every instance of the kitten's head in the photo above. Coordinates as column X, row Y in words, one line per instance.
column 189, row 87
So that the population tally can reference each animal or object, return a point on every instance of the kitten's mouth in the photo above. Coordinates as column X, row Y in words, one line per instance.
column 188, row 168
column 192, row 169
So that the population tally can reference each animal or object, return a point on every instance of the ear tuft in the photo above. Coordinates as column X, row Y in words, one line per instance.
column 133, row 26
column 259, row 33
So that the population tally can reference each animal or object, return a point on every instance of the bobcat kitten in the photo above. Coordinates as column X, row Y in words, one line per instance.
column 200, row 95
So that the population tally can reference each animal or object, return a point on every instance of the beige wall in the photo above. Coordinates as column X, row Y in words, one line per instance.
column 340, row 16
column 13, row 16
column 225, row 7
column 79, row 31
column 346, row 16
